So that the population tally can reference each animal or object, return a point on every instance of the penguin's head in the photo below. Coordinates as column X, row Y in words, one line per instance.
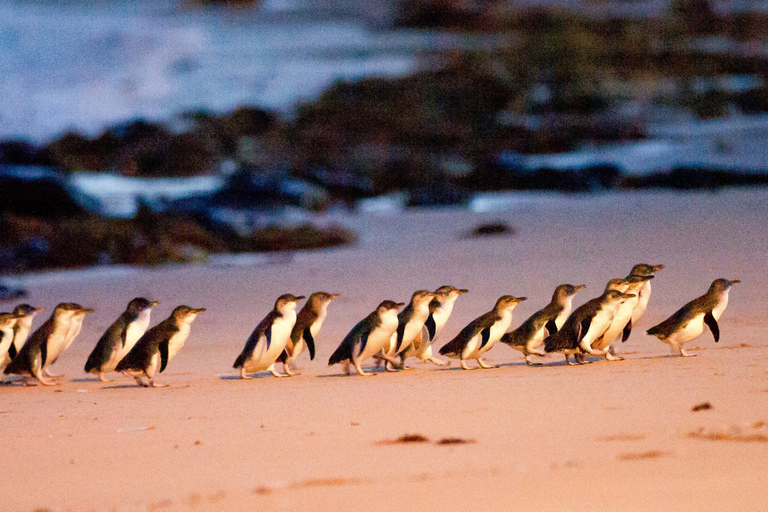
column 320, row 299
column 25, row 310
column 287, row 302
column 508, row 302
column 617, row 284
column 389, row 307
column 446, row 293
column 613, row 296
column 140, row 304
column 65, row 310
column 644, row 269
column 722, row 285
column 186, row 314
column 566, row 291
column 79, row 311
column 421, row 297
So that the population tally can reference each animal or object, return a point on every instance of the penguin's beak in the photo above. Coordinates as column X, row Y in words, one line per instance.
column 656, row 268
column 735, row 281
column 85, row 311
column 38, row 309
column 154, row 303
column 579, row 287
column 520, row 299
column 463, row 291
column 198, row 311
column 399, row 304
column 629, row 295
column 335, row 296
column 300, row 297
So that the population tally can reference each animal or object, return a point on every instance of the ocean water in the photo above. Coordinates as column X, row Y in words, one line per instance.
column 86, row 65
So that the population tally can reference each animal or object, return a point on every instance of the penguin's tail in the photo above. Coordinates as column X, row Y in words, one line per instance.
column 653, row 331
column 453, row 347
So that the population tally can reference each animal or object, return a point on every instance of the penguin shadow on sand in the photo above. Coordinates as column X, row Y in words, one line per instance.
column 251, row 376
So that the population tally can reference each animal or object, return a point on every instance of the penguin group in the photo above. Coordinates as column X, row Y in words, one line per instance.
column 129, row 346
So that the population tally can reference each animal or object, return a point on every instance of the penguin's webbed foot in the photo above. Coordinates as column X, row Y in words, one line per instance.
column 686, row 354
column 464, row 365
column 153, row 384
column 613, row 357
column 103, row 377
column 485, row 365
column 288, row 371
column 390, row 367
column 141, row 383
column 439, row 362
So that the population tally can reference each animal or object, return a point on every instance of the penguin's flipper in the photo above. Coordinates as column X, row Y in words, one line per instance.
column 268, row 335
column 712, row 324
column 310, row 341
column 400, row 336
column 363, row 341
column 12, row 350
column 627, row 331
column 583, row 329
column 163, row 347
column 485, row 334
column 551, row 327
column 431, row 327
column 43, row 354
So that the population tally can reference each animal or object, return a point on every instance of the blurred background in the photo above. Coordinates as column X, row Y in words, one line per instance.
column 154, row 131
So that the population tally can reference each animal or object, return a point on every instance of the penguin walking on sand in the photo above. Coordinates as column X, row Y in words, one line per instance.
column 480, row 335
column 25, row 315
column 587, row 323
column 308, row 323
column 643, row 269
column 368, row 337
column 7, row 322
column 269, row 338
column 530, row 335
column 120, row 338
column 689, row 321
column 410, row 322
column 440, row 309
column 158, row 346
column 621, row 325
column 34, row 355
column 75, row 326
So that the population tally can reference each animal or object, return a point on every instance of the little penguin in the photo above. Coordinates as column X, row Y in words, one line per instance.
column 7, row 322
column 480, row 335
column 440, row 308
column 643, row 269
column 33, row 356
column 269, row 338
column 531, row 334
column 120, row 337
column 368, row 337
column 621, row 325
column 689, row 321
column 308, row 323
column 410, row 322
column 75, row 325
column 158, row 346
column 587, row 323
column 25, row 314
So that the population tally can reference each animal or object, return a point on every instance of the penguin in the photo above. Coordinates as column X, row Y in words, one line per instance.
column 643, row 269
column 440, row 309
column 7, row 322
column 367, row 337
column 587, row 323
column 34, row 355
column 308, row 323
column 120, row 337
column 75, row 325
column 158, row 346
column 25, row 314
column 269, row 338
column 689, row 321
column 621, row 325
column 410, row 322
column 531, row 334
column 479, row 335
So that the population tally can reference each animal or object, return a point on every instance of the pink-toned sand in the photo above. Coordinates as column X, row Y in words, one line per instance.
column 603, row 436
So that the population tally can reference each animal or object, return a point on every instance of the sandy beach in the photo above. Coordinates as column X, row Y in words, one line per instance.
column 603, row 436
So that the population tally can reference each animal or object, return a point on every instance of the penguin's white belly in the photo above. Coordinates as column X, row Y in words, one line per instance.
column 21, row 335
column 56, row 343
column 600, row 322
column 642, row 302
column 536, row 341
column 154, row 365
column 177, row 341
column 377, row 340
column 263, row 357
column 717, row 311
column 693, row 329
column 5, row 344
column 620, row 320
column 135, row 330
column 73, row 332
column 473, row 349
